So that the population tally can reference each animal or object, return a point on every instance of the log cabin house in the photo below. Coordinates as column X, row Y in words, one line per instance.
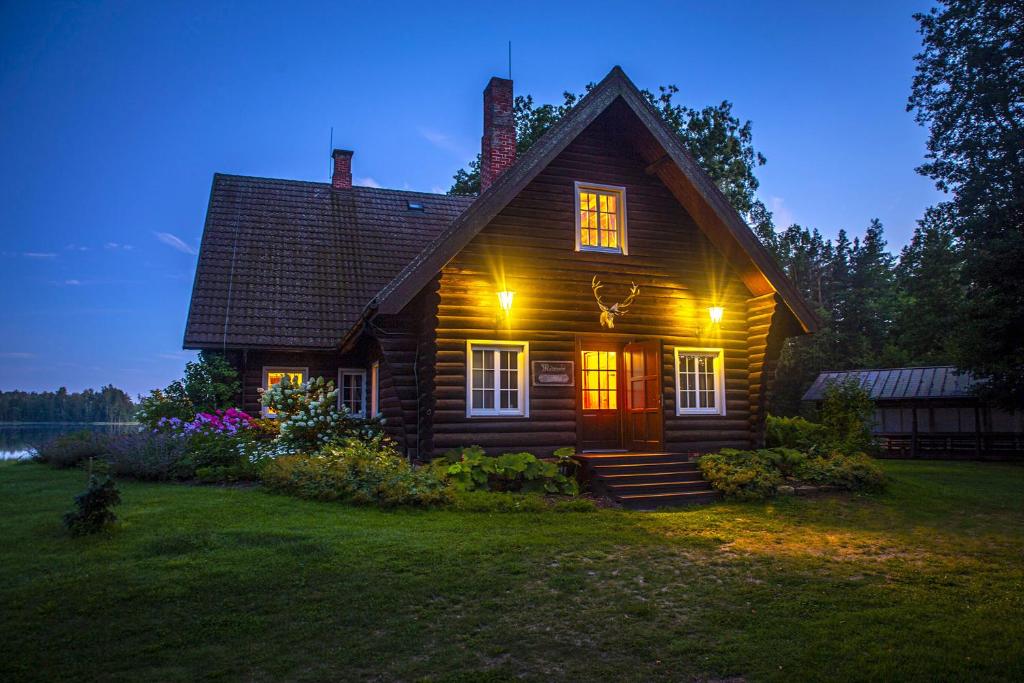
column 600, row 292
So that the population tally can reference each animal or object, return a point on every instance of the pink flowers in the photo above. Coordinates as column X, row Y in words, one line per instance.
column 229, row 421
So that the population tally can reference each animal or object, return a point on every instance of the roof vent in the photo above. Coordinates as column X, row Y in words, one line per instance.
column 415, row 206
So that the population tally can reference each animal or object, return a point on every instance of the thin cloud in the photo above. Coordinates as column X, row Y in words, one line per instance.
column 783, row 216
column 445, row 142
column 114, row 246
column 16, row 354
column 76, row 247
column 367, row 182
column 175, row 242
column 39, row 254
column 73, row 283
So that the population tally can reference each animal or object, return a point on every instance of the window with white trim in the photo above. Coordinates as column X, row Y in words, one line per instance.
column 700, row 381
column 375, row 389
column 496, row 379
column 601, row 218
column 352, row 391
column 273, row 376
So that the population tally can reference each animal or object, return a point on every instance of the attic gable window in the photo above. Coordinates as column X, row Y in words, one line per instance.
column 601, row 218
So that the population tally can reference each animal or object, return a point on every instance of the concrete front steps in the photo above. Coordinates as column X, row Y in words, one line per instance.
column 644, row 481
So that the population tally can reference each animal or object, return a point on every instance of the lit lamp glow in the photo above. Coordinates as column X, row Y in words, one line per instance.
column 715, row 313
column 505, row 301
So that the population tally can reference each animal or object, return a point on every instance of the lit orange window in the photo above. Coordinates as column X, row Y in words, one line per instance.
column 600, row 380
column 600, row 225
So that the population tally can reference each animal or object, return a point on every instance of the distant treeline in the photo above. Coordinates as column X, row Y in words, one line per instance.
column 109, row 404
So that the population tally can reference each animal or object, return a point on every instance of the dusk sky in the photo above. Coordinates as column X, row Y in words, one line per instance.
column 114, row 117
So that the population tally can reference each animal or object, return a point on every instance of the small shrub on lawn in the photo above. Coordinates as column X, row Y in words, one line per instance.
column 756, row 475
column 144, row 455
column 93, row 512
column 355, row 472
column 70, row 450
column 846, row 414
column 744, row 475
column 471, row 469
column 856, row 472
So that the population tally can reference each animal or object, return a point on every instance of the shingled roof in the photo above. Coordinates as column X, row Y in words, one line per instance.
column 899, row 384
column 291, row 264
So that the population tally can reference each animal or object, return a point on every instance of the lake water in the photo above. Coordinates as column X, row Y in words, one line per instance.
column 18, row 439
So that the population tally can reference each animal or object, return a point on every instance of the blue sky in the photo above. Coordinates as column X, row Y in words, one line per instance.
column 116, row 115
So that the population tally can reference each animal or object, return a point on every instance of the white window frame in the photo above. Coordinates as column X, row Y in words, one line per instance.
column 361, row 372
column 524, row 385
column 623, row 229
column 375, row 388
column 267, row 369
column 719, row 356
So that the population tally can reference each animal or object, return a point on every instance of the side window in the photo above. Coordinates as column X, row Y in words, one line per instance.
column 352, row 391
column 700, row 382
column 496, row 379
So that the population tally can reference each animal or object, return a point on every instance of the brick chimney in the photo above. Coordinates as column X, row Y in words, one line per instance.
column 498, row 146
column 342, row 178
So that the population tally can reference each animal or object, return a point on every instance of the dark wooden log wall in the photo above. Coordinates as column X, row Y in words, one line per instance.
column 763, row 347
column 529, row 248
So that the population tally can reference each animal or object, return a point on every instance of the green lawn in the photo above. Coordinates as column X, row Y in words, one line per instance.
column 925, row 582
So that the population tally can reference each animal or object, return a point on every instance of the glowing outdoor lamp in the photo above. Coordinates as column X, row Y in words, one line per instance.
column 505, row 301
column 715, row 313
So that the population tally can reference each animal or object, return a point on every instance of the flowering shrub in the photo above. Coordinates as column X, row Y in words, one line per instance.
column 230, row 421
column 310, row 418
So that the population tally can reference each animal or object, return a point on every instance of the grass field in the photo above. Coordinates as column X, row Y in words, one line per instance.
column 924, row 582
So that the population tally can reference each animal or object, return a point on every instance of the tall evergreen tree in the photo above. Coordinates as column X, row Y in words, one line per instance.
column 968, row 90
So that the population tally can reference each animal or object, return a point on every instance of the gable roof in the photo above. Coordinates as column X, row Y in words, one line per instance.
column 895, row 384
column 290, row 264
column 677, row 169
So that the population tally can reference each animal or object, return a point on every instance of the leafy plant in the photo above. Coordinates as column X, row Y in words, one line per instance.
column 356, row 472
column 165, row 404
column 69, row 450
column 93, row 512
column 211, row 382
column 855, row 472
column 470, row 469
column 744, row 475
column 794, row 432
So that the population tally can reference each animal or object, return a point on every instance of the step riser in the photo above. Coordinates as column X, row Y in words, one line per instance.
column 654, row 478
column 630, row 459
column 667, row 487
column 645, row 469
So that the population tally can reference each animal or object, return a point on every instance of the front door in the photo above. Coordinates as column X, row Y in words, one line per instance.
column 600, row 423
column 643, row 428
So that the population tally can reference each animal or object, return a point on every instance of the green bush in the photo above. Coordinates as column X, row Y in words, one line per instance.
column 471, row 469
column 856, row 472
column 70, row 450
column 355, row 472
column 93, row 512
column 756, row 475
column 846, row 415
column 162, row 404
column 794, row 432
column 744, row 475
column 150, row 456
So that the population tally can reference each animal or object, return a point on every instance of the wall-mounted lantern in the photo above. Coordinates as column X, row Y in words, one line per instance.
column 715, row 314
column 505, row 298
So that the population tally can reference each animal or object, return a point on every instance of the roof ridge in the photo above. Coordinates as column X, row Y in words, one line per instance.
column 902, row 367
column 443, row 195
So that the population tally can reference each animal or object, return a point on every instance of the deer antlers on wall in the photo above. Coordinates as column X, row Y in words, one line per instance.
column 610, row 313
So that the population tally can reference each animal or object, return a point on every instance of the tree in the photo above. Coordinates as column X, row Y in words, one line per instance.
column 211, row 383
column 718, row 141
column 931, row 302
column 968, row 89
